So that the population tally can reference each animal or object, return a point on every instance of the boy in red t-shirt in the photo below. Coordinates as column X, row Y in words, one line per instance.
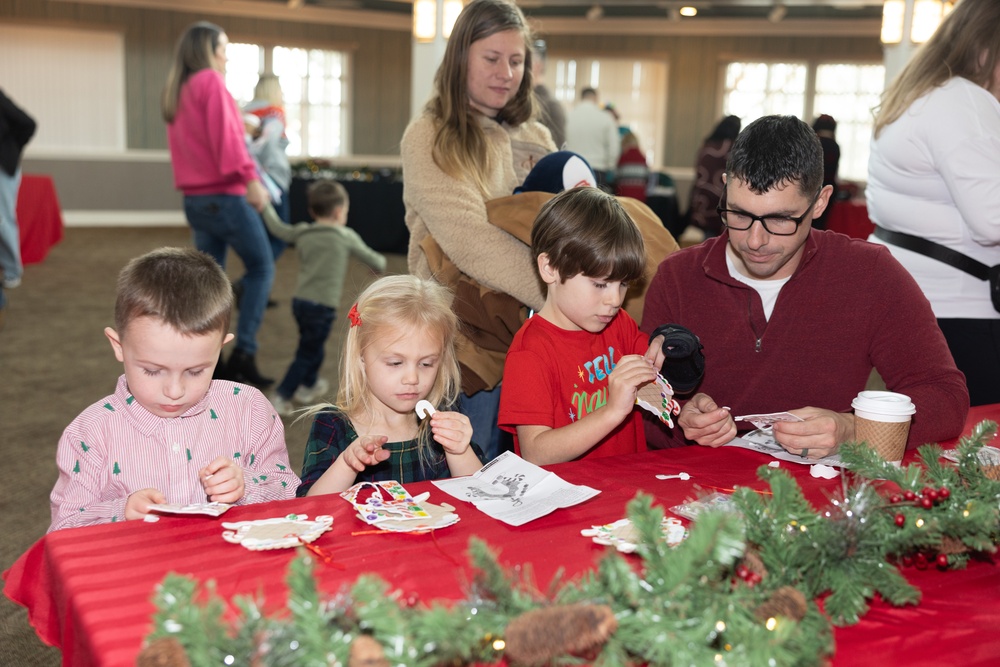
column 573, row 371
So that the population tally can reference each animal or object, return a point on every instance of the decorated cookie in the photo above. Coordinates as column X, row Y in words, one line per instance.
column 277, row 533
column 658, row 397
column 622, row 535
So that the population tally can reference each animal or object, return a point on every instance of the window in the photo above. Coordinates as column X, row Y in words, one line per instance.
column 636, row 88
column 849, row 93
column 759, row 89
column 846, row 91
column 313, row 85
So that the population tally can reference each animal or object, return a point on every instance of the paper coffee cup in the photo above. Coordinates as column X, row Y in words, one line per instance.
column 882, row 419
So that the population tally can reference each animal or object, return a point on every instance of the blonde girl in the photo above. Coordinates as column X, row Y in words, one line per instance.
column 400, row 350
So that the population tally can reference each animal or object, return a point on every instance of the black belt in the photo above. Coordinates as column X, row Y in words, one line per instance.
column 935, row 251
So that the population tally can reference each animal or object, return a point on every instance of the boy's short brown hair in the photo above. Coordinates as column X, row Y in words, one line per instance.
column 585, row 230
column 182, row 287
column 325, row 196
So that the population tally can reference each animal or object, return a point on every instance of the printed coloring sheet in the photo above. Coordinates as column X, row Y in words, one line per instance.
column 514, row 491
column 762, row 440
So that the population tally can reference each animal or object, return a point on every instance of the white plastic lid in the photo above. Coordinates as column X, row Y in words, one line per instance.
column 887, row 403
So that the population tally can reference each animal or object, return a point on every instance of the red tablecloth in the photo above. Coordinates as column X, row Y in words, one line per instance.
column 88, row 590
column 38, row 216
column 851, row 218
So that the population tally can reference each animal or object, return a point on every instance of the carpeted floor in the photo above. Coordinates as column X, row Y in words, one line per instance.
column 56, row 361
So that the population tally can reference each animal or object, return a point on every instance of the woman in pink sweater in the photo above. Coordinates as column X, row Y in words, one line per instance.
column 222, row 190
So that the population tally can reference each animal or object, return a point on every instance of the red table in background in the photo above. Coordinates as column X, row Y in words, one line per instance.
column 850, row 217
column 38, row 216
column 88, row 590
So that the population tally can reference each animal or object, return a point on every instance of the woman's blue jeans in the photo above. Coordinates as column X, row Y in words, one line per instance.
column 223, row 221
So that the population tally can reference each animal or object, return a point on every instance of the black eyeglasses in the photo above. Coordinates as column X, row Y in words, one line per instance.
column 772, row 224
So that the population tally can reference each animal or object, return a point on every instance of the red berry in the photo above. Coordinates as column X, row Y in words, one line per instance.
column 907, row 561
column 900, row 520
column 926, row 503
column 895, row 498
column 932, row 494
column 942, row 560
column 742, row 571
column 909, row 495
column 921, row 561
column 943, row 493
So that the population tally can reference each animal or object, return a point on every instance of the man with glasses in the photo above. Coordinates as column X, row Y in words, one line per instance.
column 794, row 319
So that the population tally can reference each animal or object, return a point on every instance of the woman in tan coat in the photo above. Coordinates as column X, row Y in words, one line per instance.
column 475, row 141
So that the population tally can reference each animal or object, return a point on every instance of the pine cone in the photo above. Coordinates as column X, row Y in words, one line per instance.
column 366, row 652
column 163, row 652
column 539, row 636
column 951, row 545
column 787, row 601
column 993, row 472
column 754, row 563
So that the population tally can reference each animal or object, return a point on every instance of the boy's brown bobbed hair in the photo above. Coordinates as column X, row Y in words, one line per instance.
column 585, row 230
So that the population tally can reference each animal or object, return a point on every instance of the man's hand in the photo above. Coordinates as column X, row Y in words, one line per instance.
column 705, row 422
column 819, row 435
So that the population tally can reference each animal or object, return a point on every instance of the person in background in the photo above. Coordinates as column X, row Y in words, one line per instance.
column 793, row 318
column 121, row 454
column 400, row 350
column 324, row 248
column 551, row 113
column 16, row 129
column 632, row 173
column 826, row 129
column 476, row 141
column 593, row 133
column 587, row 250
column 709, row 167
column 222, row 192
column 934, row 183
column 269, row 144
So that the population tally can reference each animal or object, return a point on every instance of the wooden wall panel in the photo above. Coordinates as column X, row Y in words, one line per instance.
column 694, row 65
column 381, row 66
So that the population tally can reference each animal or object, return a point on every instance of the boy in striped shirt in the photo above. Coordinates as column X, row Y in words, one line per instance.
column 170, row 433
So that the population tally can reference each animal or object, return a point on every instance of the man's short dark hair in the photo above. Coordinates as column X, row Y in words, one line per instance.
column 585, row 230
column 324, row 196
column 774, row 151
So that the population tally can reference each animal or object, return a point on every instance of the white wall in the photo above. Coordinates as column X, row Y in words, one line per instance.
column 72, row 82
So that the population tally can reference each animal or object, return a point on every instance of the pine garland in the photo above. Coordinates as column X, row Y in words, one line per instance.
column 738, row 591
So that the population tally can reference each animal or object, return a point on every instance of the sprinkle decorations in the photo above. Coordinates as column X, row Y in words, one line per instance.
column 389, row 506
column 380, row 501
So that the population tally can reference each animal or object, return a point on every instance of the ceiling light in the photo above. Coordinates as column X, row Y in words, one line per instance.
column 688, row 11
column 424, row 20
